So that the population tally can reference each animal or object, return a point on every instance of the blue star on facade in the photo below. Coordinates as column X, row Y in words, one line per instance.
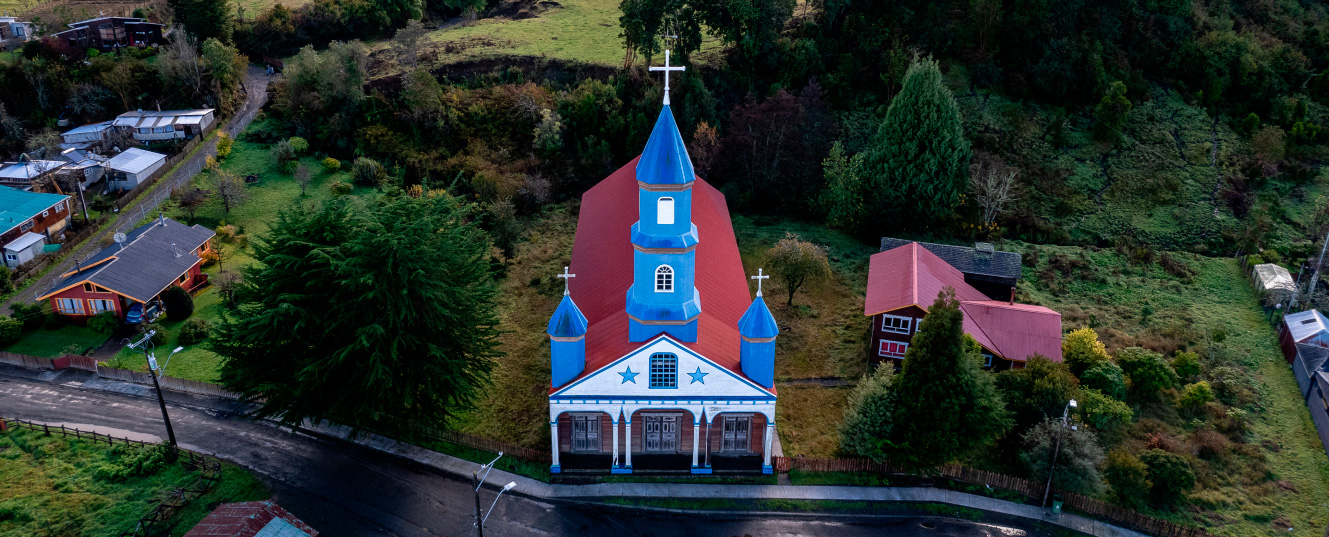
column 630, row 376
column 698, row 376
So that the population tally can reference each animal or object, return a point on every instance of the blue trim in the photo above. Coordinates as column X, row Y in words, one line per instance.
column 701, row 470
column 680, row 347
column 620, row 470
column 767, row 470
column 555, row 469
column 708, row 398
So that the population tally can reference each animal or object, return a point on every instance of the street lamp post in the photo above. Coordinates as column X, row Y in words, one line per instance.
column 1061, row 431
column 481, row 517
column 149, row 349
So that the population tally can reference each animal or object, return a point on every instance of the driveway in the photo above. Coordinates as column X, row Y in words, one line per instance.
column 343, row 489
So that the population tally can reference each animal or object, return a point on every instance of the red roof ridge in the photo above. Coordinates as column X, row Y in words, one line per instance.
column 1031, row 308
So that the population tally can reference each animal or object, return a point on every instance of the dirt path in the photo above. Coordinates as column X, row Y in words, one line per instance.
column 256, row 82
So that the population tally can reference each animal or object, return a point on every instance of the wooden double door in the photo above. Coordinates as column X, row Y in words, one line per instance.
column 661, row 433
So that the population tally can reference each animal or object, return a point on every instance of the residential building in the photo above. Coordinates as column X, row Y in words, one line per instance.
column 1308, row 327
column 904, row 282
column 85, row 168
column 664, row 361
column 30, row 213
column 132, row 167
column 151, row 259
column 92, row 135
column 1306, row 335
column 109, row 33
column 251, row 519
column 992, row 272
column 13, row 30
column 25, row 173
column 166, row 125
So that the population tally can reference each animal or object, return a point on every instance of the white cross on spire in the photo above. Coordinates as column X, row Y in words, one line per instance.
column 667, row 69
column 759, row 278
column 566, row 281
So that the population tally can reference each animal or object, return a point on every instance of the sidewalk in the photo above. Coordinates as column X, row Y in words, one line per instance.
column 589, row 493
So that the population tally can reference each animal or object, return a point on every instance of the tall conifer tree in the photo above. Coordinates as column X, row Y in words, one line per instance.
column 946, row 405
column 370, row 313
column 919, row 161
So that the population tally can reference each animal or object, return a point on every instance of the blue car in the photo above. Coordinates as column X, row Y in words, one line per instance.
column 135, row 314
column 138, row 312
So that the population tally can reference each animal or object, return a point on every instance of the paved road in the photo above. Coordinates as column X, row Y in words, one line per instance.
column 347, row 490
column 256, row 81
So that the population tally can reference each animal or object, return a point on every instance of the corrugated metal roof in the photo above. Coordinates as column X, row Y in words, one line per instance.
column 134, row 160
column 1003, row 266
column 17, row 206
column 91, row 128
column 1313, row 356
column 602, row 259
column 24, row 241
column 1304, row 324
column 251, row 519
column 31, row 169
column 1015, row 331
column 154, row 255
column 1269, row 276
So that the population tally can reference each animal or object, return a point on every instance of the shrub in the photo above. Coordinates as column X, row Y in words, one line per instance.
column 867, row 417
column 298, row 144
column 1106, row 377
column 6, row 279
column 1128, row 477
column 1171, row 475
column 104, row 323
column 131, row 461
column 209, row 257
column 340, row 188
column 193, row 331
column 331, row 164
column 225, row 144
column 33, row 314
column 160, row 337
column 368, row 172
column 1232, row 385
column 11, row 330
column 282, row 152
column 1077, row 462
column 179, row 304
column 1149, row 373
column 1196, row 394
column 1081, row 350
column 1104, row 413
column 1187, row 365
column 231, row 234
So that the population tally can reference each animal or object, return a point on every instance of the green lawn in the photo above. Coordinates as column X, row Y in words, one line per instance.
column 53, row 343
column 56, row 486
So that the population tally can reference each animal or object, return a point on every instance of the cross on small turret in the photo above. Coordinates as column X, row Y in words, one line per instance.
column 759, row 278
column 565, row 277
column 667, row 69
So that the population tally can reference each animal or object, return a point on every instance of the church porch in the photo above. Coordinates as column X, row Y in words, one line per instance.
column 662, row 441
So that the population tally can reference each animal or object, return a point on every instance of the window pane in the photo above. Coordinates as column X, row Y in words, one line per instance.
column 664, row 370
column 664, row 211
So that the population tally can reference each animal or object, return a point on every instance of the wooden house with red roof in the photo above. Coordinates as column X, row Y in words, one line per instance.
column 664, row 361
column 904, row 281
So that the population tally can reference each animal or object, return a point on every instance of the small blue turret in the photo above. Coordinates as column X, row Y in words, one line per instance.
column 567, row 339
column 757, row 350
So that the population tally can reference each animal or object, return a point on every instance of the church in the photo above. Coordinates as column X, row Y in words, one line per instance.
column 661, row 360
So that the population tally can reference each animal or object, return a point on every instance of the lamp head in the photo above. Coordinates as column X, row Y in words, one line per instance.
column 177, row 349
column 1073, row 405
column 511, row 485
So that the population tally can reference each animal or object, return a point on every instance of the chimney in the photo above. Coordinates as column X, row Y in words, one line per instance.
column 983, row 250
column 1012, row 295
column 161, row 219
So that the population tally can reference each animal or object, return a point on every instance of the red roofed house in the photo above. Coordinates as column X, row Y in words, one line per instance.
column 251, row 519
column 904, row 281
column 664, row 360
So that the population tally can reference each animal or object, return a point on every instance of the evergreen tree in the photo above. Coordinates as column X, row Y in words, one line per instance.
column 1077, row 461
column 946, row 405
column 179, row 304
column 1111, row 113
column 370, row 313
column 919, row 161
column 204, row 19
column 868, row 416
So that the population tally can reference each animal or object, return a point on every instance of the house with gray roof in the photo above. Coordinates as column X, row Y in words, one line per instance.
column 148, row 261
column 991, row 272
column 131, row 168
column 152, row 126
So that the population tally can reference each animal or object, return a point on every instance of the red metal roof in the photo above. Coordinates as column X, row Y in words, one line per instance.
column 602, row 261
column 245, row 519
column 910, row 275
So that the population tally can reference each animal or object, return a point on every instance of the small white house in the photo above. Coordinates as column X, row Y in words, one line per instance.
column 130, row 168
column 85, row 136
column 165, row 125
column 14, row 30
column 24, row 248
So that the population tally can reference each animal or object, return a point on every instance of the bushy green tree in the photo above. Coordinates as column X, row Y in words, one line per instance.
column 1148, row 371
column 795, row 262
column 414, row 332
column 1129, row 478
column 1106, row 377
column 918, row 164
column 1196, row 394
column 6, row 279
column 946, row 405
column 178, row 303
column 1187, row 365
column 368, row 172
column 1077, row 462
column 1170, row 474
column 844, row 200
column 868, row 415
column 1111, row 114
column 1105, row 414
column 1038, row 391
column 204, row 18
column 11, row 330
column 1081, row 350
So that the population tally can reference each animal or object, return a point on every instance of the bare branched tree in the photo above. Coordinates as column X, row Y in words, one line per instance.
column 303, row 175
column 407, row 43
column 180, row 63
column 230, row 189
column 993, row 184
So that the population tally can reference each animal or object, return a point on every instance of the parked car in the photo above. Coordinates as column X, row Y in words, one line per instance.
column 138, row 313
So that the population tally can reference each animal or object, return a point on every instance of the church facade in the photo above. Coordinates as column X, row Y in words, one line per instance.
column 661, row 360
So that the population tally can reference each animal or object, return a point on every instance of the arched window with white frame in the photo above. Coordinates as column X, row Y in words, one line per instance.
column 664, row 279
column 664, row 211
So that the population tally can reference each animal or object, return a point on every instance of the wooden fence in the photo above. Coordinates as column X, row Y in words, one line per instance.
column 495, row 446
column 168, row 383
column 23, row 360
column 1030, row 489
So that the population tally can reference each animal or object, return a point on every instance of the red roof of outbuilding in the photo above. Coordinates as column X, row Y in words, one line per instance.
column 910, row 275
column 245, row 519
column 602, row 261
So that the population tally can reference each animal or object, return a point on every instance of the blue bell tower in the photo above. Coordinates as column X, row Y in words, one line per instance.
column 567, row 338
column 663, row 297
column 757, row 328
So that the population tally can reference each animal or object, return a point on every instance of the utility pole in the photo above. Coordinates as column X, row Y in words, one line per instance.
column 479, row 525
column 1315, row 276
column 1065, row 422
column 152, row 370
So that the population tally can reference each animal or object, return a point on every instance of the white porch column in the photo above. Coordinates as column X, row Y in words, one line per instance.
column 553, row 437
column 627, row 428
column 696, row 434
column 614, row 419
column 766, row 446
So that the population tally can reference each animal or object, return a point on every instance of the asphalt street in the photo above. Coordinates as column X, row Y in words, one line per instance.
column 343, row 489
